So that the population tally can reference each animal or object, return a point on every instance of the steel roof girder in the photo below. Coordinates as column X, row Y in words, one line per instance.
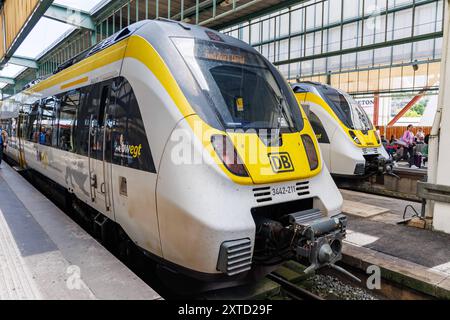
column 74, row 17
column 24, row 62
column 7, row 80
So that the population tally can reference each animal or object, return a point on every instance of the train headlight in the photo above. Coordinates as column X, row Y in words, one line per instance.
column 311, row 153
column 228, row 154
column 354, row 137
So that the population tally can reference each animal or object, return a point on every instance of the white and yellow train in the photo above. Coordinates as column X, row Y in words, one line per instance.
column 190, row 143
column 350, row 144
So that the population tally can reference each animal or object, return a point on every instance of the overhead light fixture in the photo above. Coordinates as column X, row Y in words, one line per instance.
column 415, row 65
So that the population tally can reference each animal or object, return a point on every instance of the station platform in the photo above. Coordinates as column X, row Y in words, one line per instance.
column 45, row 255
column 418, row 258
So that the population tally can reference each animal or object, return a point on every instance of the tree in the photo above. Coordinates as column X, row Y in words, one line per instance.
column 418, row 109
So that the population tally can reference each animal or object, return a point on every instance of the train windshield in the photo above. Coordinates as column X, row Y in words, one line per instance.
column 240, row 87
column 347, row 109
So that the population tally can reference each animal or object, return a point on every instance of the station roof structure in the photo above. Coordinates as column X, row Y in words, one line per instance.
column 42, row 25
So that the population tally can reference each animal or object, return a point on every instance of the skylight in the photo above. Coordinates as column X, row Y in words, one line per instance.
column 42, row 37
column 46, row 34
column 11, row 71
column 81, row 5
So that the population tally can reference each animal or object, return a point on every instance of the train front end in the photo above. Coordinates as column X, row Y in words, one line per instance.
column 353, row 146
column 241, row 184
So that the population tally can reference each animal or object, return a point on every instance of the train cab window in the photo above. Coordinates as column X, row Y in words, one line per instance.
column 130, row 147
column 47, row 122
column 346, row 108
column 67, row 120
column 318, row 128
column 241, row 89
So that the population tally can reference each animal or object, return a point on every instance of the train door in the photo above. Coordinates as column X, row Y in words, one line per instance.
column 98, row 151
column 21, row 134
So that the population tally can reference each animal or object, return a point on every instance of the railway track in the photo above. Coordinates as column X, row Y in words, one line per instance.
column 293, row 290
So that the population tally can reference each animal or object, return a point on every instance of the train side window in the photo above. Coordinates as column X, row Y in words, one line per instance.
column 32, row 127
column 87, row 108
column 12, row 129
column 8, row 125
column 98, row 120
column 47, row 123
column 318, row 128
column 25, row 111
column 67, row 120
column 55, row 126
column 130, row 146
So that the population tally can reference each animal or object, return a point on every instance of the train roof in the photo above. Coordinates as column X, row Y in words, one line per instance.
column 304, row 86
column 157, row 32
column 153, row 31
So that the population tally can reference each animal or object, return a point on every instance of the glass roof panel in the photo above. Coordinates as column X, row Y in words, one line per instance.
column 43, row 37
column 11, row 71
column 82, row 5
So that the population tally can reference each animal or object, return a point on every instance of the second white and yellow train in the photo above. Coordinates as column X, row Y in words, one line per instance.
column 350, row 144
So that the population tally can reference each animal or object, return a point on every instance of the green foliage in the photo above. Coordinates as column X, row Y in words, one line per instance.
column 418, row 109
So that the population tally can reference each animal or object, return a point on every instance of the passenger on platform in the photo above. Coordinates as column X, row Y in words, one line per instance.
column 392, row 141
column 3, row 141
column 420, row 136
column 391, row 148
column 408, row 139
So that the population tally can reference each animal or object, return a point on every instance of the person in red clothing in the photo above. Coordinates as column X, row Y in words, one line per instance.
column 408, row 139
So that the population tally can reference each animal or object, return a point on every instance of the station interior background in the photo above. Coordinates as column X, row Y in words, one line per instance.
column 383, row 52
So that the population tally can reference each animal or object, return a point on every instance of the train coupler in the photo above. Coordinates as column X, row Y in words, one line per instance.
column 320, row 240
column 307, row 236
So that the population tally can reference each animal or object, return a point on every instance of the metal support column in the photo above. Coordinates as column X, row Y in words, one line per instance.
column 376, row 109
column 408, row 107
column 439, row 154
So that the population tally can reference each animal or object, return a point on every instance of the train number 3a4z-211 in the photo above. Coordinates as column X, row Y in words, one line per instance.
column 283, row 190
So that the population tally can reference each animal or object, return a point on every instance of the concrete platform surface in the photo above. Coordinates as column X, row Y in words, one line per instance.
column 417, row 257
column 415, row 276
column 45, row 255
column 361, row 209
column 395, row 206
